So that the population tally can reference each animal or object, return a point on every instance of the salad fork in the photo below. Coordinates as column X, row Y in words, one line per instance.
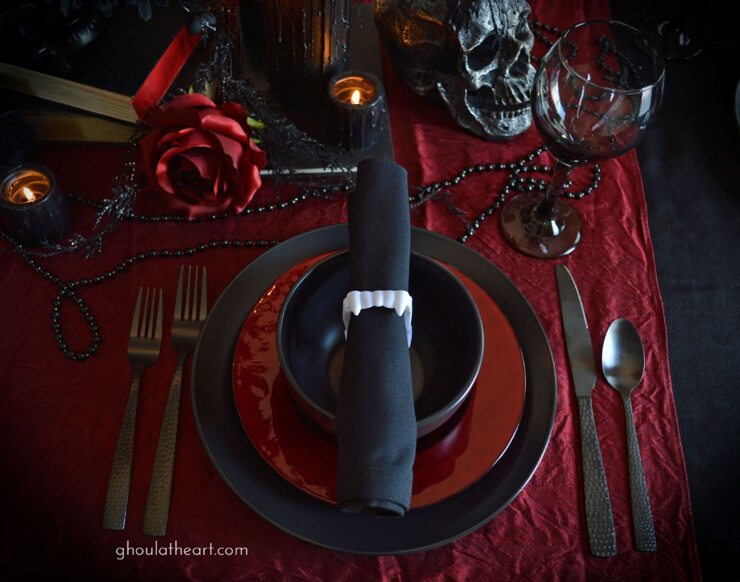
column 186, row 325
column 145, row 340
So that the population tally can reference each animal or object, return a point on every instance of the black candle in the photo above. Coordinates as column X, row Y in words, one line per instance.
column 356, row 103
column 306, row 43
column 32, row 208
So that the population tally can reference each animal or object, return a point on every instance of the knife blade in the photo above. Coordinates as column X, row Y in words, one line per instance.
column 599, row 518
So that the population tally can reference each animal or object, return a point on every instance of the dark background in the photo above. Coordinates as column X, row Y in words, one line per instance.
column 689, row 162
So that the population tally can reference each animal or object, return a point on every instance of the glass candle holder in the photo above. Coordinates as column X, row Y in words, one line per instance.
column 306, row 43
column 32, row 208
column 355, row 107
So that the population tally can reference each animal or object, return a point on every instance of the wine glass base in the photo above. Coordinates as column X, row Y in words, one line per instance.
column 541, row 239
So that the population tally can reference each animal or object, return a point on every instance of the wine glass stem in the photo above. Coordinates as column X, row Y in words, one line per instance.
column 545, row 210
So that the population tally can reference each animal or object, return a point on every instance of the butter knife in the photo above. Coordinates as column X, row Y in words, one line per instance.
column 599, row 518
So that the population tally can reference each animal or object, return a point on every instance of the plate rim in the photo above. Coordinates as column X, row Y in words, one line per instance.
column 318, row 523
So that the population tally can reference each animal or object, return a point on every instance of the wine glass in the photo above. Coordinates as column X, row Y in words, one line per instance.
column 595, row 93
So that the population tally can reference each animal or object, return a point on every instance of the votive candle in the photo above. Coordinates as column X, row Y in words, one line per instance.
column 356, row 103
column 32, row 208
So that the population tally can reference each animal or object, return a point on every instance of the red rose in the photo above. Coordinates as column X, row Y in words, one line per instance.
column 201, row 157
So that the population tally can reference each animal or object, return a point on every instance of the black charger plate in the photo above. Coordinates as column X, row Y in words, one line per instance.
column 299, row 514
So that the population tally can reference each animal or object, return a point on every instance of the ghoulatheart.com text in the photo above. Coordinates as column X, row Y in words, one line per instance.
column 175, row 549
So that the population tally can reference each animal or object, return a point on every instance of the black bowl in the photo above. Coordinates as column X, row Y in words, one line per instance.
column 446, row 350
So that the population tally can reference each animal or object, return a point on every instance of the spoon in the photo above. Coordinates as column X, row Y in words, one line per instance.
column 623, row 363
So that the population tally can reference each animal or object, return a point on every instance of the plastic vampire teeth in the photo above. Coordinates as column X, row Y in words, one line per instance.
column 400, row 301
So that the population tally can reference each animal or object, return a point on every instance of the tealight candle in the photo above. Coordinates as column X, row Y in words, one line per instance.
column 356, row 103
column 32, row 208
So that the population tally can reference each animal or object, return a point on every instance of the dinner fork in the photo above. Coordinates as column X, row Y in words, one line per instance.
column 186, row 325
column 145, row 340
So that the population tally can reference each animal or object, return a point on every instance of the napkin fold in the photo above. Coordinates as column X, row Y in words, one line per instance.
column 376, row 424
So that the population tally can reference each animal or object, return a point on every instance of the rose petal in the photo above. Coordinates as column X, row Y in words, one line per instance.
column 173, row 136
column 187, row 101
column 240, row 196
column 235, row 111
column 197, row 174
column 247, row 183
column 251, row 181
column 149, row 152
column 190, row 142
column 231, row 147
column 163, row 167
column 221, row 182
column 181, row 110
column 202, row 207
column 186, row 178
column 198, row 138
column 256, row 155
column 205, row 161
column 173, row 117
column 161, row 174
column 215, row 121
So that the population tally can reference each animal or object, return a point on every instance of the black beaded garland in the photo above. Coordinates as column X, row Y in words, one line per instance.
column 305, row 194
column 66, row 290
column 515, row 182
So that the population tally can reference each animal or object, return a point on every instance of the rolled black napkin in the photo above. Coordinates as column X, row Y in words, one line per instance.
column 376, row 424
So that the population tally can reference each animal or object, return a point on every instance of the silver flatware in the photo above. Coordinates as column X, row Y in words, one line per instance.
column 623, row 364
column 599, row 518
column 144, row 343
column 186, row 325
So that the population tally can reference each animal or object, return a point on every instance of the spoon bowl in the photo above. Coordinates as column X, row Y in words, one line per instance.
column 623, row 357
column 623, row 364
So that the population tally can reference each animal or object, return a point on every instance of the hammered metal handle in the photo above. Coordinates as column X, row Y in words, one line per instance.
column 642, row 514
column 599, row 519
column 116, row 501
column 160, row 487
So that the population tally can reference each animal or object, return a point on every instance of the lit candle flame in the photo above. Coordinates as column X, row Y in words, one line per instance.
column 30, row 196
column 355, row 99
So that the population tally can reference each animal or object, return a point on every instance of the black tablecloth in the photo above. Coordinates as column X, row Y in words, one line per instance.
column 689, row 162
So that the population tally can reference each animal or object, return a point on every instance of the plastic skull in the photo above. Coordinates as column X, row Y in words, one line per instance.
column 472, row 55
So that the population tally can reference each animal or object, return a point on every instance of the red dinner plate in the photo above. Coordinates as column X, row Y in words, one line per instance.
column 447, row 461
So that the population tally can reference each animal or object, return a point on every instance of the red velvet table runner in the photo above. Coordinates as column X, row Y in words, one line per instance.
column 60, row 418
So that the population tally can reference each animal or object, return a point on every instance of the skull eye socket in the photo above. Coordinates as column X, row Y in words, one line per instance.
column 483, row 55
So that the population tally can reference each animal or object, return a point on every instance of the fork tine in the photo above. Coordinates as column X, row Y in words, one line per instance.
column 178, row 297
column 203, row 298
column 135, row 322
column 158, row 329
column 194, row 308
column 150, row 328
column 143, row 330
column 186, row 313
